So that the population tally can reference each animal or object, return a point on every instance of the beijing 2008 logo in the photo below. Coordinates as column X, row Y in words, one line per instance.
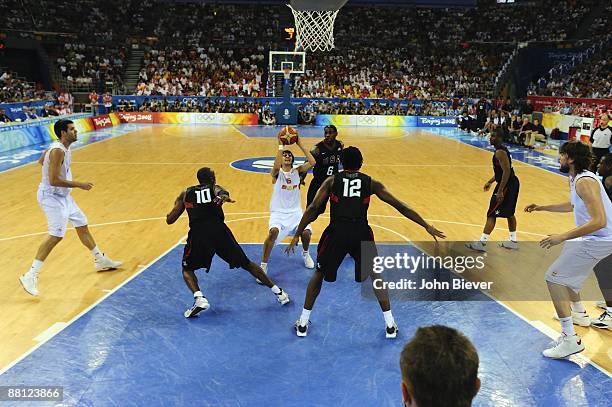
column 261, row 164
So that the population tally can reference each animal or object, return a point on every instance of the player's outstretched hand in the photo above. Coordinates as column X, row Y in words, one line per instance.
column 86, row 186
column 291, row 248
column 435, row 232
column 221, row 199
column 532, row 208
column 487, row 186
column 550, row 241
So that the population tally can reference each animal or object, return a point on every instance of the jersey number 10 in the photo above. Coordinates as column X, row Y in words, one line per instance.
column 352, row 187
column 203, row 196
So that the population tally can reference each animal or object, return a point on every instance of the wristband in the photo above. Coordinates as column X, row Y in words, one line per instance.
column 281, row 147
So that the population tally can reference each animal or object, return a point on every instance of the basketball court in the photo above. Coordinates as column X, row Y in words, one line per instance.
column 120, row 338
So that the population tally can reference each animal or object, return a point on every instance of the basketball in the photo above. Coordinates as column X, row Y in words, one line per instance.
column 288, row 135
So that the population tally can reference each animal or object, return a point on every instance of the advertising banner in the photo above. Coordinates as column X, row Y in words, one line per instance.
column 15, row 110
column 385, row 121
column 555, row 102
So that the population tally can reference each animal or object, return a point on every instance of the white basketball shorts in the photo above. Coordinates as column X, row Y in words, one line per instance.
column 576, row 262
column 59, row 210
column 286, row 223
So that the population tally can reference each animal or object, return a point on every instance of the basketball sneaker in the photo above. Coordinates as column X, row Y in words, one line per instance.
column 29, row 282
column 308, row 261
column 300, row 330
column 509, row 244
column 578, row 318
column 601, row 304
column 604, row 321
column 105, row 263
column 199, row 304
column 282, row 297
column 478, row 246
column 564, row 347
column 391, row 331
column 264, row 267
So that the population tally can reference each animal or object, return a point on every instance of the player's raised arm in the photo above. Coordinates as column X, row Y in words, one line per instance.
column 562, row 207
column 222, row 195
column 310, row 161
column 587, row 189
column 277, row 161
column 177, row 210
column 381, row 192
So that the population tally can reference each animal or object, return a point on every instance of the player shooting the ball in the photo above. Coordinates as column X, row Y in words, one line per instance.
column 285, row 204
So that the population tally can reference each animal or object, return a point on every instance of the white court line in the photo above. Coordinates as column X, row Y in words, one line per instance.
column 50, row 332
column 85, row 311
column 147, row 163
column 255, row 213
column 535, row 324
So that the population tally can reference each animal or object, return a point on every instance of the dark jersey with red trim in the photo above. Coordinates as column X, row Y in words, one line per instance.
column 497, row 168
column 350, row 197
column 327, row 161
column 200, row 205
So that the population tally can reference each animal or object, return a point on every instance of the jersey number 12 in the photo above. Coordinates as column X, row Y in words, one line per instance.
column 203, row 196
column 352, row 187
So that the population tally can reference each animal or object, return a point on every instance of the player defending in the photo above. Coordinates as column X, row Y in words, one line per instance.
column 285, row 206
column 327, row 156
column 504, row 198
column 349, row 193
column 588, row 244
column 55, row 200
column 209, row 235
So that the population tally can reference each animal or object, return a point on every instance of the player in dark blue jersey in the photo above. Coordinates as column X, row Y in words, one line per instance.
column 209, row 235
column 349, row 193
column 505, row 195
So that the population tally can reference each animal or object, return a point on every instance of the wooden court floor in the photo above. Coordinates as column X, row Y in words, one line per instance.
column 137, row 177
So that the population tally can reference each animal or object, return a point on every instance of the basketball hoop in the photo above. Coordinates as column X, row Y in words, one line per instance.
column 314, row 23
column 287, row 73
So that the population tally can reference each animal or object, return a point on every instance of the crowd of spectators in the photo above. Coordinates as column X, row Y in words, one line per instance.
column 590, row 79
column 381, row 52
column 13, row 89
column 203, row 71
column 89, row 66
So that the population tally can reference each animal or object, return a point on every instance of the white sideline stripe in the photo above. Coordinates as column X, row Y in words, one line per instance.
column 50, row 332
column 85, row 311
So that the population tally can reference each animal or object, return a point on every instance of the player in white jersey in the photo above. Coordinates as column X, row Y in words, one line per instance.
column 586, row 245
column 59, row 207
column 285, row 205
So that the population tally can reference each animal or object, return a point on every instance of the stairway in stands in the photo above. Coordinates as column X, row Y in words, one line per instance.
column 130, row 77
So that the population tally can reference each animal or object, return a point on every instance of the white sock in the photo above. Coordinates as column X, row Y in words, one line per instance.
column 97, row 253
column 513, row 236
column 305, row 317
column 567, row 327
column 198, row 294
column 264, row 266
column 304, row 252
column 275, row 289
column 577, row 307
column 609, row 310
column 388, row 318
column 484, row 238
column 36, row 265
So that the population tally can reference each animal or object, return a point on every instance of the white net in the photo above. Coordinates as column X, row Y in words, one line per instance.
column 315, row 29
